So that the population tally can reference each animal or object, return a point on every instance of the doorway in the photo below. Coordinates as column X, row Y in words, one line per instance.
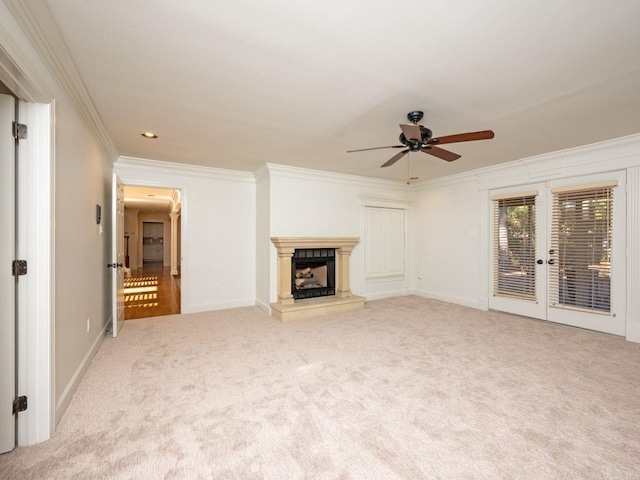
column 152, row 238
column 558, row 251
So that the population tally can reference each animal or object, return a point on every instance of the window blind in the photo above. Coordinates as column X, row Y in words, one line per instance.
column 514, row 245
column 580, row 249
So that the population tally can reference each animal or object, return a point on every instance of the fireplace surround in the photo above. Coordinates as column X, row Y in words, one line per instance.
column 287, row 307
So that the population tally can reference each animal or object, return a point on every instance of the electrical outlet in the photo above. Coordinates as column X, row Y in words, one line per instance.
column 88, row 325
column 216, row 286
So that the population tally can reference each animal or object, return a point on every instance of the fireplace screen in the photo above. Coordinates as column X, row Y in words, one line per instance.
column 313, row 272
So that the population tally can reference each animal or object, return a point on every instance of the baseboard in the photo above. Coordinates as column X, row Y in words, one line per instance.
column 466, row 302
column 389, row 294
column 633, row 333
column 221, row 306
column 263, row 306
column 67, row 394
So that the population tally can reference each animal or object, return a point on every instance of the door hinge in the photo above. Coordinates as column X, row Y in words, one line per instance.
column 19, row 268
column 19, row 131
column 19, row 404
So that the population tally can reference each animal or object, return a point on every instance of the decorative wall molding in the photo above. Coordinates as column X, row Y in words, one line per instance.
column 633, row 254
column 46, row 39
column 181, row 169
column 384, row 202
column 285, row 171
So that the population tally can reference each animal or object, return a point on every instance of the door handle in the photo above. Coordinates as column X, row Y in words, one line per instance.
column 119, row 265
column 550, row 262
column 539, row 262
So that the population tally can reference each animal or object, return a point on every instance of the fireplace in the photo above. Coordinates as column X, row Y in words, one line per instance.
column 313, row 272
column 321, row 267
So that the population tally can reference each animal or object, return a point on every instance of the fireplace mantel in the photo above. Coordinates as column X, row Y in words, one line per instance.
column 285, row 308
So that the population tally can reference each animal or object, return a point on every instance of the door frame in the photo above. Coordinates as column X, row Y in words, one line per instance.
column 184, row 237
column 36, row 207
column 36, row 300
column 486, row 225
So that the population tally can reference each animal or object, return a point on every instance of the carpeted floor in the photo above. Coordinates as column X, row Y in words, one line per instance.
column 406, row 389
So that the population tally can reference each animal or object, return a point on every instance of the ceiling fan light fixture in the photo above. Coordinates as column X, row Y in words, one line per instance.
column 149, row 135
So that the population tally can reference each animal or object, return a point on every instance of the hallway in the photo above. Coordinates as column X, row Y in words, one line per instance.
column 150, row 292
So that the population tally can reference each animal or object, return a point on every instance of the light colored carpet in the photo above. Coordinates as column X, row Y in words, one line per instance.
column 407, row 388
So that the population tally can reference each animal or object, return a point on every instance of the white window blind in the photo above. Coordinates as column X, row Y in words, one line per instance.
column 514, row 245
column 580, row 249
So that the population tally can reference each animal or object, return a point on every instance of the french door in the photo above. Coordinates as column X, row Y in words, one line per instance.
column 558, row 251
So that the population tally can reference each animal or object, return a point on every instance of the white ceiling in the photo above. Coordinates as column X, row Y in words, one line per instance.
column 237, row 84
column 148, row 200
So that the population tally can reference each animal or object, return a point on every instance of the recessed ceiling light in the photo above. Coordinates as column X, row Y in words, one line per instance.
column 149, row 135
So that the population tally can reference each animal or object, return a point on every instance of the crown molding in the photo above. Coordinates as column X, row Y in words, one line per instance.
column 297, row 173
column 19, row 74
column 462, row 177
column 615, row 154
column 261, row 172
column 182, row 169
column 37, row 23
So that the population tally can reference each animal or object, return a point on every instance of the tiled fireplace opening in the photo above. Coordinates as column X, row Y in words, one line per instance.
column 313, row 272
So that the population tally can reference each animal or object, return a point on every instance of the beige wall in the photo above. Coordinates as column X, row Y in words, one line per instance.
column 82, row 281
column 4, row 89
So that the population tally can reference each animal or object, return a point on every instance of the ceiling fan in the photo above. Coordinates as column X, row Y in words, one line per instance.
column 416, row 138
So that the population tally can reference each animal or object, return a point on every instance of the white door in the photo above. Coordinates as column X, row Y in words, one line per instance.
column 587, row 252
column 517, row 275
column 7, row 281
column 558, row 251
column 117, row 241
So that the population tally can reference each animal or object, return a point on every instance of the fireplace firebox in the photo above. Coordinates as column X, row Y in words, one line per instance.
column 313, row 272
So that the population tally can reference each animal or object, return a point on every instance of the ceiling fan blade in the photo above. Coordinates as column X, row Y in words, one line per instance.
column 411, row 132
column 462, row 137
column 395, row 158
column 441, row 153
column 375, row 148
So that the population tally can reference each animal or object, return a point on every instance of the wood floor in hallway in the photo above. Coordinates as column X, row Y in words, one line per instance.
column 151, row 291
